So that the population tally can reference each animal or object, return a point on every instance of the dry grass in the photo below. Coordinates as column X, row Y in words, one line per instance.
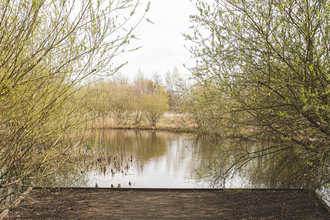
column 169, row 121
column 100, row 123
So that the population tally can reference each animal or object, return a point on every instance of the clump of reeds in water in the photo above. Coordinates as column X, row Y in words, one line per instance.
column 105, row 162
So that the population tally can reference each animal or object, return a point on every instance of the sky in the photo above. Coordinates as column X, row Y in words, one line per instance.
column 162, row 42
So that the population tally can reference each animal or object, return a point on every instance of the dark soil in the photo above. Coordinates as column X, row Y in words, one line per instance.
column 101, row 203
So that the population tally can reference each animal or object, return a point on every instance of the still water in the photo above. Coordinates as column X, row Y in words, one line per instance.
column 157, row 159
column 151, row 159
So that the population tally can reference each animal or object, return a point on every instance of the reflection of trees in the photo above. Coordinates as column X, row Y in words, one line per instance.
column 202, row 152
column 146, row 144
column 181, row 151
column 149, row 146
column 261, row 165
column 266, row 165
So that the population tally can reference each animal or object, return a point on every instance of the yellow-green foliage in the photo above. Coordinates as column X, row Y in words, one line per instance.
column 207, row 106
column 47, row 48
column 120, row 100
column 123, row 101
column 271, row 58
column 155, row 105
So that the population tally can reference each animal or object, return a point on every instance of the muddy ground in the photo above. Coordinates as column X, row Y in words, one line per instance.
column 127, row 203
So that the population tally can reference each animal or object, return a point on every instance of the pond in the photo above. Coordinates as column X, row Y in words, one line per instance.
column 151, row 159
column 159, row 159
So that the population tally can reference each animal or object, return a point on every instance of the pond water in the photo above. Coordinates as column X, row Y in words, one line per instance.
column 151, row 159
column 158, row 159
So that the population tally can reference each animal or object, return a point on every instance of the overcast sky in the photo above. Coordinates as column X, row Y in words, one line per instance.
column 162, row 42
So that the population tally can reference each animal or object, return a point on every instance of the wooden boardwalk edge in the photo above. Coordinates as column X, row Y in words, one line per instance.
column 18, row 200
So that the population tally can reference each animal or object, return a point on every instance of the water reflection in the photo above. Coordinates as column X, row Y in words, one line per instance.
column 127, row 142
column 154, row 159
column 158, row 159
column 263, row 165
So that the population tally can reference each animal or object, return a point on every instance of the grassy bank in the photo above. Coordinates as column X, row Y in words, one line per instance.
column 174, row 122
column 169, row 122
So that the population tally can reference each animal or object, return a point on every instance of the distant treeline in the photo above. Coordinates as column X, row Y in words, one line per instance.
column 123, row 99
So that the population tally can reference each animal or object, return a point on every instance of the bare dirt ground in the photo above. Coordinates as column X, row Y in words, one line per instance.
column 128, row 203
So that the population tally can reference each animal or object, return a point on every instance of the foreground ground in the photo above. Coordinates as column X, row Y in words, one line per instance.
column 98, row 203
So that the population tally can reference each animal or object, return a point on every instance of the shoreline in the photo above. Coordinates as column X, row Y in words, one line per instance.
column 170, row 122
column 153, row 128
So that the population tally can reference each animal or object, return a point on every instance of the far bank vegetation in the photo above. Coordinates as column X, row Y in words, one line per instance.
column 169, row 102
column 119, row 102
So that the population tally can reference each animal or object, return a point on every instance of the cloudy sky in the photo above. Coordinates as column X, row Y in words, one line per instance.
column 162, row 42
